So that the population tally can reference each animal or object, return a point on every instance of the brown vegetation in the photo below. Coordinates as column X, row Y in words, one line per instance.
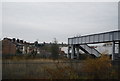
column 99, row 68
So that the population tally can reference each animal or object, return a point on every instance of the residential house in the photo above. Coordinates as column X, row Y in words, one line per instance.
column 8, row 47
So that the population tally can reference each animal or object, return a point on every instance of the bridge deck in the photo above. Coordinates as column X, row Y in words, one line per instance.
column 96, row 38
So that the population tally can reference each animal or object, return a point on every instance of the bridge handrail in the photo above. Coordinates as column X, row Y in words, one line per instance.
column 95, row 38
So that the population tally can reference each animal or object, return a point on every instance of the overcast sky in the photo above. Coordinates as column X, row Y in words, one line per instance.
column 44, row 21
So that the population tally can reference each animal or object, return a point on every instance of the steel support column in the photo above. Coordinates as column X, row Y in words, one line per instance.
column 113, row 50
column 68, row 55
column 73, row 52
column 119, row 48
column 77, row 49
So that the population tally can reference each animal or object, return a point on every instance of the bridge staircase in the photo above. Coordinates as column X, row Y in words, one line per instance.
column 88, row 50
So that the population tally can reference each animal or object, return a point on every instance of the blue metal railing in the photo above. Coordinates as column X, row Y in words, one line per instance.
column 96, row 38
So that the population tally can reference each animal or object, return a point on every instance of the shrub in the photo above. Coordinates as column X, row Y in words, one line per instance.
column 60, row 71
column 99, row 68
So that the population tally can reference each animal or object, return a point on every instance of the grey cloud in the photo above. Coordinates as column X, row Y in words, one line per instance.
column 46, row 20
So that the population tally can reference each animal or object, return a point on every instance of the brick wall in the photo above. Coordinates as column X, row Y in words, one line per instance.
column 8, row 47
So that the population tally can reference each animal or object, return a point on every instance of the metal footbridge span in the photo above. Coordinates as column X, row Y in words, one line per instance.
column 81, row 43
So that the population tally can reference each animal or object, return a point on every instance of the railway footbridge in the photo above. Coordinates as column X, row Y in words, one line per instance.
column 75, row 44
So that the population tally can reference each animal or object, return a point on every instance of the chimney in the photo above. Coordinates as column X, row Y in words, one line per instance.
column 13, row 40
column 18, row 41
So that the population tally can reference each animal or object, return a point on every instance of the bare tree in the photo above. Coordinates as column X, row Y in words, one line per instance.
column 55, row 49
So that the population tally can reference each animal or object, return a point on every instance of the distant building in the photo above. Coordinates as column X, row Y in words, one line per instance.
column 16, row 46
column 8, row 47
column 106, row 48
